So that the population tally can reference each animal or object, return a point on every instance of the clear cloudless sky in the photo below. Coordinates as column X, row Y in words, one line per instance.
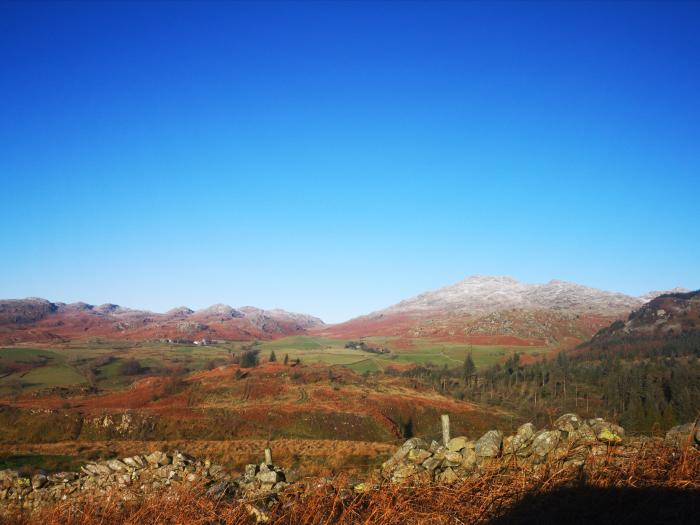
column 334, row 158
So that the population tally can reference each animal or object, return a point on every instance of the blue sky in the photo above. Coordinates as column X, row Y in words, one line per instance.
column 334, row 158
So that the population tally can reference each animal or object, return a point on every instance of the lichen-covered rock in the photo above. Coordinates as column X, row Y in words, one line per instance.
column 418, row 455
column 544, row 442
column 469, row 459
column 410, row 444
column 608, row 436
column 448, row 476
column 518, row 442
column 526, row 432
column 583, row 435
column 568, row 423
column 431, row 464
column 405, row 471
column 136, row 462
column 606, row 431
column 456, row 444
column 440, row 452
column 158, row 458
column 116, row 465
column 452, row 459
column 489, row 445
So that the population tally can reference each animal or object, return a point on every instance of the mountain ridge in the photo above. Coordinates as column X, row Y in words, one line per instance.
column 40, row 320
column 491, row 293
column 496, row 310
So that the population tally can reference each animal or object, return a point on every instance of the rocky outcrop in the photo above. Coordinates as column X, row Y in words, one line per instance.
column 572, row 442
column 141, row 475
column 23, row 311
column 684, row 435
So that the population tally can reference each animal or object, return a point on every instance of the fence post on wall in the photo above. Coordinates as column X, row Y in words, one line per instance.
column 445, row 429
column 268, row 456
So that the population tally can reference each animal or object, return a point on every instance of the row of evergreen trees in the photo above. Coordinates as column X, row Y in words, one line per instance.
column 647, row 391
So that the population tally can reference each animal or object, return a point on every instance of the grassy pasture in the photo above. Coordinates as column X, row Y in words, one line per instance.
column 333, row 352
column 26, row 369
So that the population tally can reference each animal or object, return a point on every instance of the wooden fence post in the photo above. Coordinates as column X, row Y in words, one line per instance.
column 268, row 456
column 445, row 429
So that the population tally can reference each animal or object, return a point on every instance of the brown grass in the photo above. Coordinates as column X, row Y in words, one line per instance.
column 308, row 457
column 659, row 485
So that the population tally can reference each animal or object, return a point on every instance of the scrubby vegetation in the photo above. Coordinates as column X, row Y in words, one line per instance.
column 653, row 488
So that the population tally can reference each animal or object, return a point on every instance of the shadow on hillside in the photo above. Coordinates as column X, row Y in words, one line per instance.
column 606, row 506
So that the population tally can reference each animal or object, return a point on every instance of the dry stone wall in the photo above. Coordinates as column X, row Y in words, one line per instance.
column 137, row 476
column 572, row 442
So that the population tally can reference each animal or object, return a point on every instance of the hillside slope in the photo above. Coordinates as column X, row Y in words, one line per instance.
column 670, row 319
column 270, row 401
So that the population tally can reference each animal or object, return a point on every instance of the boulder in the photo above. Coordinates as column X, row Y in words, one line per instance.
column 526, row 432
column 418, row 455
column 431, row 464
column 683, row 435
column 409, row 445
column 452, row 459
column 116, row 465
column 448, row 476
column 269, row 476
column 63, row 477
column 606, row 435
column 518, row 442
column 605, row 431
column 489, row 445
column 544, row 442
column 405, row 471
column 38, row 481
column 158, row 458
column 133, row 462
column 440, row 453
column 568, row 423
column 457, row 443
column 584, row 435
column 469, row 459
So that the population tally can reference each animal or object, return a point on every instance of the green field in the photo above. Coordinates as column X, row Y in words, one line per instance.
column 333, row 351
column 99, row 362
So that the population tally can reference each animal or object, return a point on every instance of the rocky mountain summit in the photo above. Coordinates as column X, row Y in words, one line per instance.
column 484, row 294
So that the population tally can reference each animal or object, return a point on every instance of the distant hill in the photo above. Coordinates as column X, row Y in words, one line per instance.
column 42, row 321
column 497, row 310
